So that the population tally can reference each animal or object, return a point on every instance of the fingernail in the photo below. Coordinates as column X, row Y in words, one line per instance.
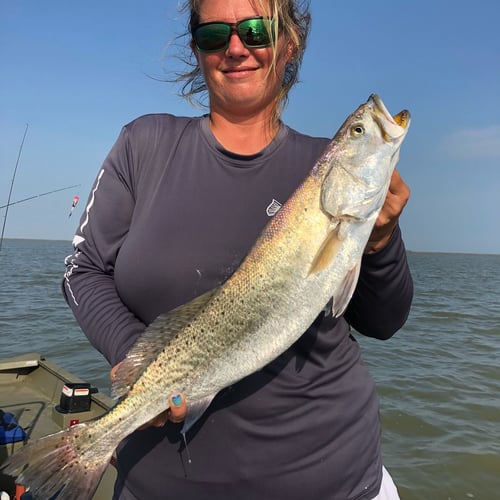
column 177, row 400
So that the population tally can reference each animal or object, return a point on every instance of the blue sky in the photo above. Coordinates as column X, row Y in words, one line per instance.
column 76, row 72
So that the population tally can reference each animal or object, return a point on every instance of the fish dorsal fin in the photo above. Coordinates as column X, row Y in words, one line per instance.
column 156, row 336
column 327, row 251
column 346, row 290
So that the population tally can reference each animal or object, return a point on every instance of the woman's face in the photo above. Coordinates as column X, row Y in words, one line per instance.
column 238, row 79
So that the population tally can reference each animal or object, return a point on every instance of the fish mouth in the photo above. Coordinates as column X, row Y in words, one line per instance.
column 392, row 128
column 402, row 118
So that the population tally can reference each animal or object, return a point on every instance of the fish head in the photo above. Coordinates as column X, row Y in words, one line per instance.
column 360, row 160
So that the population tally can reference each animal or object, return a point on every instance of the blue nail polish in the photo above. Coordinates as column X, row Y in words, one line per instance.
column 177, row 400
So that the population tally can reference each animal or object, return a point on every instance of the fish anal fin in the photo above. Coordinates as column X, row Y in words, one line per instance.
column 156, row 336
column 195, row 411
column 346, row 291
column 327, row 252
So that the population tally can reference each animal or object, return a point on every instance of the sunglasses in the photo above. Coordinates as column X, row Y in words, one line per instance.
column 254, row 33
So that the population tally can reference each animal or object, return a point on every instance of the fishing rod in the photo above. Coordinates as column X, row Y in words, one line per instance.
column 39, row 195
column 11, row 186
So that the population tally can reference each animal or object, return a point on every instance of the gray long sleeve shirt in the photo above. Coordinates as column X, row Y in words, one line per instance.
column 171, row 216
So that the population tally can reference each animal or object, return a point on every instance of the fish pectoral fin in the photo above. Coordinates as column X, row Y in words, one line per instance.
column 195, row 411
column 327, row 251
column 156, row 336
column 346, row 291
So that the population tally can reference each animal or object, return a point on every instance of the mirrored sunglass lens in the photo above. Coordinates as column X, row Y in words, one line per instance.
column 212, row 36
column 255, row 32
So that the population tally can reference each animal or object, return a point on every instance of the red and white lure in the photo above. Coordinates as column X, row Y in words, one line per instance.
column 73, row 205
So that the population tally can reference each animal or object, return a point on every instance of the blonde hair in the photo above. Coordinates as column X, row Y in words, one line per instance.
column 293, row 23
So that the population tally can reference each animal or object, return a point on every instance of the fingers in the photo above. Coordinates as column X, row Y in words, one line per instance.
column 177, row 408
column 176, row 413
column 112, row 373
column 395, row 201
column 398, row 194
column 159, row 421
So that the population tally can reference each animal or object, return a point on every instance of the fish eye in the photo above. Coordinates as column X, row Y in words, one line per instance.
column 357, row 130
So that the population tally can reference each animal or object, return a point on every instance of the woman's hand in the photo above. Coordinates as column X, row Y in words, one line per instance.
column 395, row 201
column 176, row 412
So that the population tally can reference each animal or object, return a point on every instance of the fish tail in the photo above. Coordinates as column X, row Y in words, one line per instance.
column 67, row 463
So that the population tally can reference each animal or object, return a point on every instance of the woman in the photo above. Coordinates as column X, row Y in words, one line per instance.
column 175, row 208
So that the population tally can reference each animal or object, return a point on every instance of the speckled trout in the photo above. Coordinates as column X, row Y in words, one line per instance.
column 307, row 256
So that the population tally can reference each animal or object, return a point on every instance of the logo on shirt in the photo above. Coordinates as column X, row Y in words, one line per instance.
column 273, row 207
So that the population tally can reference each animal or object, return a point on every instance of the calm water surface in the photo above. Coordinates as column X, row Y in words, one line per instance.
column 438, row 378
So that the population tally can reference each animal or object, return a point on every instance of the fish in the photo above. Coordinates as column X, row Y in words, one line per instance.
column 306, row 259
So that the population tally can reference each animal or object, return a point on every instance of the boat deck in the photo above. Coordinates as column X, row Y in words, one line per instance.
column 30, row 389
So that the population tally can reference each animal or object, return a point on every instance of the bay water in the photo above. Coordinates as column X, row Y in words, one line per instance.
column 438, row 378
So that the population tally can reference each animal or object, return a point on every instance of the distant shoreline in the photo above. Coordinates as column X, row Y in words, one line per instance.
column 407, row 251
column 37, row 239
column 451, row 253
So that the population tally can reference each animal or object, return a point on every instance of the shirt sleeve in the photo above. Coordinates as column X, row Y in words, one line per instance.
column 381, row 302
column 88, row 284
